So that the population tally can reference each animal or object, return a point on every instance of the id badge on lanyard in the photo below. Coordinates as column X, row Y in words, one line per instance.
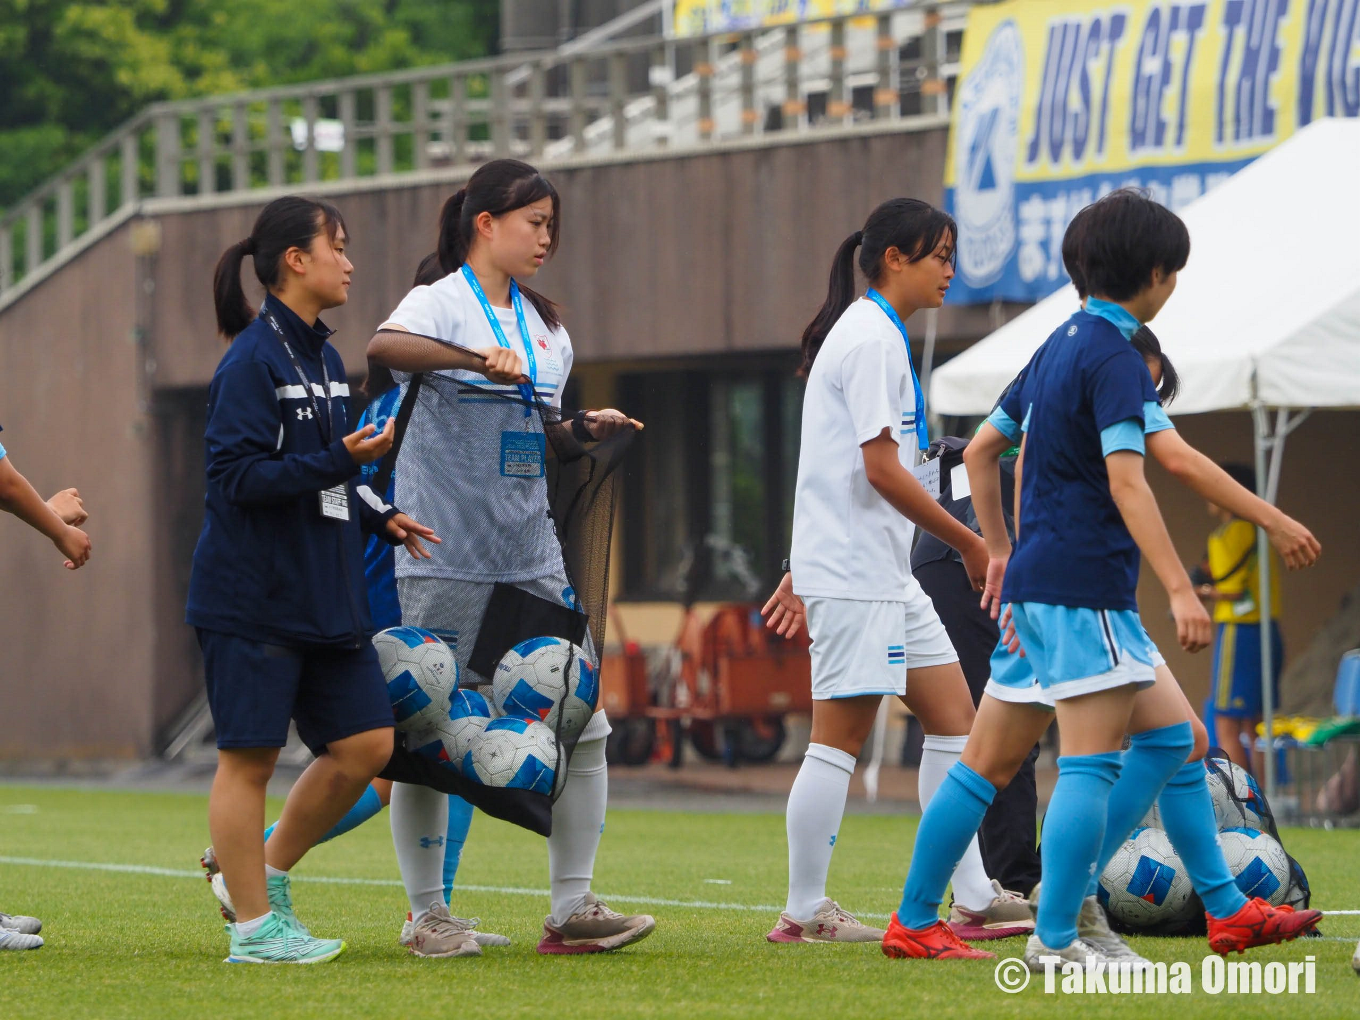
column 917, row 420
column 333, row 503
column 524, row 453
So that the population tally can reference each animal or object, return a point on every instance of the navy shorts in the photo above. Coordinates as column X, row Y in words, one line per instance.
column 1237, row 669
column 255, row 688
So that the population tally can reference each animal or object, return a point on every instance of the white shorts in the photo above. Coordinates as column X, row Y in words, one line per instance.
column 864, row 648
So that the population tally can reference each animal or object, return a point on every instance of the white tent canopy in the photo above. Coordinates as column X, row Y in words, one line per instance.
column 1268, row 309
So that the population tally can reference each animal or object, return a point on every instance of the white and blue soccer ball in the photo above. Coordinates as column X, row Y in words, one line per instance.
column 547, row 678
column 1258, row 863
column 514, row 753
column 1237, row 798
column 421, row 676
column 450, row 741
column 1145, row 885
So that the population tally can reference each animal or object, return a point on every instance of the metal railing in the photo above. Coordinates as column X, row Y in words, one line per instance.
column 624, row 95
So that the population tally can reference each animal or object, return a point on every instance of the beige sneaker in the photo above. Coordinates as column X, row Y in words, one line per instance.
column 1007, row 915
column 594, row 929
column 1093, row 927
column 438, row 935
column 828, row 924
column 1088, row 954
column 484, row 938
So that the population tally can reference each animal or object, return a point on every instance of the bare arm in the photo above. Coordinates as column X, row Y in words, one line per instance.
column 1019, row 466
column 395, row 347
column 1295, row 543
column 982, row 458
column 908, row 497
column 18, row 497
column 1138, row 507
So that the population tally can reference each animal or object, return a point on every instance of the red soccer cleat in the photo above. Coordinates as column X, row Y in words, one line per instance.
column 1258, row 924
column 936, row 942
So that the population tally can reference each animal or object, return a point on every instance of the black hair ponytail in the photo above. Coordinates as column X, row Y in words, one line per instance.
column 840, row 292
column 288, row 222
column 1145, row 342
column 913, row 227
column 498, row 187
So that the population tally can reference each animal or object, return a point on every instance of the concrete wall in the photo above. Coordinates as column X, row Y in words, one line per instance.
column 77, row 679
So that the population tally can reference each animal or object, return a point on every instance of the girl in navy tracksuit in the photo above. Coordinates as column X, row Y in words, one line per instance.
column 277, row 592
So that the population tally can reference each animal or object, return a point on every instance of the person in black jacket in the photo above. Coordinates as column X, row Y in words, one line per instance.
column 277, row 592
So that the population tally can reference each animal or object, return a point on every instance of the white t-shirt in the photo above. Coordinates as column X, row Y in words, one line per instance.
column 493, row 526
column 848, row 541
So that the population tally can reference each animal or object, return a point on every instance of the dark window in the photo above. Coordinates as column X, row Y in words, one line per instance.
column 708, row 494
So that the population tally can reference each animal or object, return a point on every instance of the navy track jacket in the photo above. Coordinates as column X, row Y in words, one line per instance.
column 268, row 566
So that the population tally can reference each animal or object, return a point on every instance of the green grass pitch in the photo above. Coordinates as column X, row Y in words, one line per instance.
column 148, row 943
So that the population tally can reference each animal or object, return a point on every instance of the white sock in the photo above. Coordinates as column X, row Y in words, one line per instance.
column 272, row 872
column 420, row 822
column 816, row 806
column 578, row 822
column 972, row 887
column 248, row 928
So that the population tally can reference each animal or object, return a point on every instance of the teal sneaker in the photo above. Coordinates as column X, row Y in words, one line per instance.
column 281, row 902
column 278, row 942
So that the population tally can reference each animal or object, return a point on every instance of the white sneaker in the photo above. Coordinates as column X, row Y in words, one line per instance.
column 21, row 923
column 218, row 885
column 1078, row 951
column 483, row 938
column 10, row 939
column 1094, row 927
column 1355, row 960
column 438, row 934
column 829, row 924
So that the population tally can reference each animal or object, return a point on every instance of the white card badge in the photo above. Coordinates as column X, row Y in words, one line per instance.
column 928, row 474
column 958, row 483
column 335, row 502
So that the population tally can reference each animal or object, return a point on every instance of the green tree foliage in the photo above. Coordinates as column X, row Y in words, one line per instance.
column 70, row 72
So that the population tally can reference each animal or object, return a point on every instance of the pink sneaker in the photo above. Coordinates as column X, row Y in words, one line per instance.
column 1007, row 915
column 594, row 929
column 829, row 924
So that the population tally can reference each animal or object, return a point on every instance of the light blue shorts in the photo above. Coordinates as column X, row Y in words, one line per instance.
column 1075, row 651
column 1013, row 678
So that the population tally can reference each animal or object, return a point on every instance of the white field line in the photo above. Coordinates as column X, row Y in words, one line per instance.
column 505, row 890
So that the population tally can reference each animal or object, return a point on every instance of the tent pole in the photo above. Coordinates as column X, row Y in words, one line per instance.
column 1267, row 453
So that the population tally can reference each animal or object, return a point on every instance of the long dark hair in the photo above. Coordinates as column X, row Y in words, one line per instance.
column 1145, row 342
column 288, row 222
column 913, row 227
column 498, row 187
column 379, row 379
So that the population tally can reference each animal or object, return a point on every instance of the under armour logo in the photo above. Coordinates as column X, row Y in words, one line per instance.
column 827, row 929
column 426, row 842
column 304, row 412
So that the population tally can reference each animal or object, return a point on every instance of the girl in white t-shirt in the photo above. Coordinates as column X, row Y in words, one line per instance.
column 485, row 482
column 874, row 631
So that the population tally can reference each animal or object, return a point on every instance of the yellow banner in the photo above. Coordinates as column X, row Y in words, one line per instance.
column 1059, row 101
column 704, row 17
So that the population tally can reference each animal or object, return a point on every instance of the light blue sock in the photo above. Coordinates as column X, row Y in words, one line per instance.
column 1188, row 817
column 948, row 824
column 1074, row 829
column 364, row 808
column 460, row 820
column 1153, row 757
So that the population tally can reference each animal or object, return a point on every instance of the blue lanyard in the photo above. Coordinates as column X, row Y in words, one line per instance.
column 526, row 390
column 922, row 435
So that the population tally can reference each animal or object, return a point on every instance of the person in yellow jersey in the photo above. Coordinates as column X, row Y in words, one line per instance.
column 1234, row 592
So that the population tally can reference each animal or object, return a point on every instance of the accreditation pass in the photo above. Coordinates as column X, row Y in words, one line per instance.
column 335, row 502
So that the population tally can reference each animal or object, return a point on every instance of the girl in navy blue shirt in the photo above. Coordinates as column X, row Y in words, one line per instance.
column 277, row 591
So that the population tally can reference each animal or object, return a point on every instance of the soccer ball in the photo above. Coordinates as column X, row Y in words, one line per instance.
column 1236, row 805
column 421, row 676
column 514, row 753
column 1145, row 885
column 548, row 679
column 468, row 716
column 1258, row 863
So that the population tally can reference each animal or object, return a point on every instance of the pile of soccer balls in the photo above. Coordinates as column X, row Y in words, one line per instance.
column 542, row 695
column 1146, row 887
